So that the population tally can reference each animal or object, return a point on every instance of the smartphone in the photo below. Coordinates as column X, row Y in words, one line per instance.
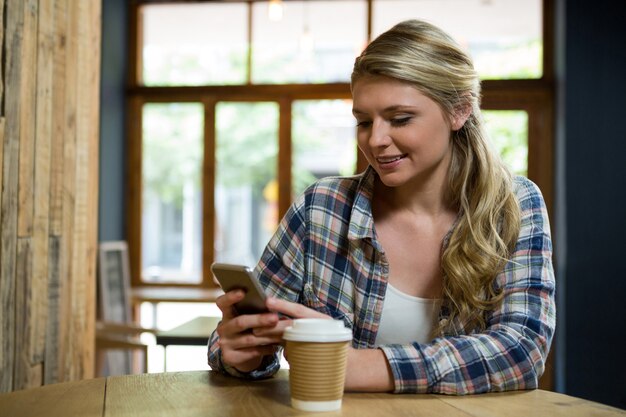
column 233, row 277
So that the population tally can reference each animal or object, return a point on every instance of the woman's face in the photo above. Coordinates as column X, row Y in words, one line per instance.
column 404, row 134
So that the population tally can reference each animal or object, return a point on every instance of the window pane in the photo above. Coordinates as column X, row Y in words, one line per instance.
column 194, row 44
column 171, row 246
column 508, row 131
column 504, row 37
column 245, row 182
column 313, row 42
column 324, row 141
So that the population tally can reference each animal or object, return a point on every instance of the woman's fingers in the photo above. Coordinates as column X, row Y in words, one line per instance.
column 245, row 322
column 241, row 356
column 226, row 302
column 274, row 331
column 294, row 310
column 248, row 340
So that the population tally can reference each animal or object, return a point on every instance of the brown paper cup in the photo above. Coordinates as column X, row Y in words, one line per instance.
column 317, row 368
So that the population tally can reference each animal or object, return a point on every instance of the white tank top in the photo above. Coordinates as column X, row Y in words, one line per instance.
column 406, row 319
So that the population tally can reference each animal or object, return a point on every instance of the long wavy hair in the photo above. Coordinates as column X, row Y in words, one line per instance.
column 480, row 186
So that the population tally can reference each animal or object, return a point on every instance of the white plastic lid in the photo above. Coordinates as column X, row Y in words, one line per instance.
column 317, row 330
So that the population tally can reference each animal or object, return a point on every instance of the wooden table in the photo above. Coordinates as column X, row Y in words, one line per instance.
column 195, row 332
column 207, row 393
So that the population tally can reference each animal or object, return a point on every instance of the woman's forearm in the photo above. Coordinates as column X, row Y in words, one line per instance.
column 368, row 371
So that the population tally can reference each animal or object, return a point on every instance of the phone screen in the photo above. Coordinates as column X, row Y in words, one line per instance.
column 233, row 277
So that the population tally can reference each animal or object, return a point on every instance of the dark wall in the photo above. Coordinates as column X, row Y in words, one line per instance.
column 592, row 272
column 112, row 119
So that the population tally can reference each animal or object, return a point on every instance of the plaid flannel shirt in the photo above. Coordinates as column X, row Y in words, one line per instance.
column 325, row 255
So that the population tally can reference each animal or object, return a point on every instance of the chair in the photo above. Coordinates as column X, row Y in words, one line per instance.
column 117, row 336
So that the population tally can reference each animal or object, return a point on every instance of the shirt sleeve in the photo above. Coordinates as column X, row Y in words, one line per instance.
column 279, row 271
column 511, row 353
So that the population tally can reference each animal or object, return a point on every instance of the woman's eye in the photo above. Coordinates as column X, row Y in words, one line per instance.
column 363, row 124
column 400, row 121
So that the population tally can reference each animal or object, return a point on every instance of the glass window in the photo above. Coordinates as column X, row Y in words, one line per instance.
column 246, row 197
column 504, row 37
column 508, row 131
column 194, row 44
column 324, row 141
column 171, row 192
column 313, row 41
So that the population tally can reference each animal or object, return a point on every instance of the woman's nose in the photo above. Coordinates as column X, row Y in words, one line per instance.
column 379, row 135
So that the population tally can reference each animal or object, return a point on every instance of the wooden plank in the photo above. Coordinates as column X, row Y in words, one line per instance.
column 169, row 393
column 2, row 121
column 80, row 287
column 81, row 398
column 1, row 74
column 59, row 121
column 529, row 403
column 28, row 101
column 72, row 359
column 86, row 180
column 23, row 330
column 91, row 28
column 43, row 133
column 56, row 329
column 213, row 394
column 9, row 198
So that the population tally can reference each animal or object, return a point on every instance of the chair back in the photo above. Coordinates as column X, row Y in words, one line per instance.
column 114, row 304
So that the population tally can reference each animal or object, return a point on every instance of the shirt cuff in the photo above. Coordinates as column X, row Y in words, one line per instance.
column 408, row 368
column 269, row 366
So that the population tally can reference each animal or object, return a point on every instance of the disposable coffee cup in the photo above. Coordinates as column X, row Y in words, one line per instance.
column 317, row 351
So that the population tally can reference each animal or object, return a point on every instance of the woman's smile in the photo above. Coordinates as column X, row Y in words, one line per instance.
column 390, row 162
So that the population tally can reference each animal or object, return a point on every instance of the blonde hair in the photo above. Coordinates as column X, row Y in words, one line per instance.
column 480, row 186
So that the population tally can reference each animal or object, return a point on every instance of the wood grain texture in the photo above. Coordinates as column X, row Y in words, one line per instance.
column 56, row 328
column 58, row 117
column 23, row 330
column 207, row 394
column 1, row 141
column 204, row 393
column 73, row 362
column 530, row 403
column 1, row 74
column 27, row 111
column 40, row 224
column 8, row 204
column 48, row 204
column 88, row 102
column 83, row 398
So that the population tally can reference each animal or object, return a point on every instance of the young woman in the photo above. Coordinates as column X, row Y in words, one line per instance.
column 436, row 257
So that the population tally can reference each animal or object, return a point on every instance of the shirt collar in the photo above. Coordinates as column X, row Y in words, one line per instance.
column 361, row 218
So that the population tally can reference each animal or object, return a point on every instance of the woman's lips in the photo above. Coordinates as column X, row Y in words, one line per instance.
column 389, row 162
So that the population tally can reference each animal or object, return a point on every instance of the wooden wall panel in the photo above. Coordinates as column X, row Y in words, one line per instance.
column 8, row 200
column 49, row 129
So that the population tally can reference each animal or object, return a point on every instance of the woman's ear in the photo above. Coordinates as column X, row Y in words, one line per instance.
column 461, row 114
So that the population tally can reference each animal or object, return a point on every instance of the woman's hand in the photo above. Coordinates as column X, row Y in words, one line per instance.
column 289, row 309
column 241, row 345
